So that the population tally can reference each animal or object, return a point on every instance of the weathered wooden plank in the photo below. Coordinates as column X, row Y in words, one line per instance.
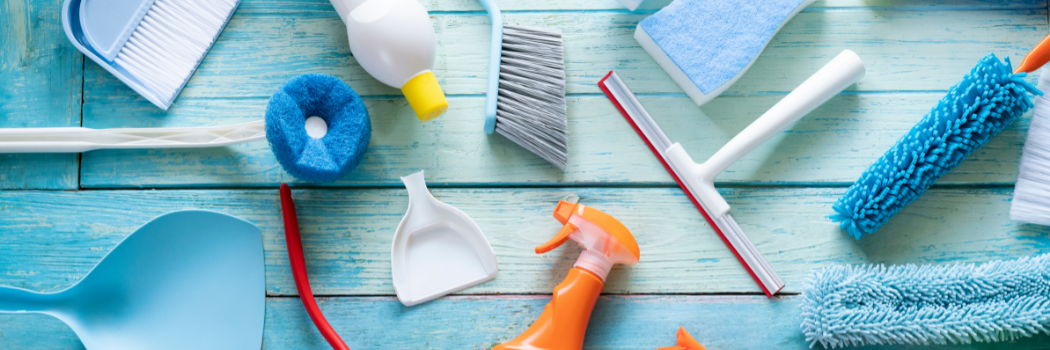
column 324, row 8
column 834, row 144
column 36, row 332
column 482, row 322
column 635, row 323
column 903, row 51
column 51, row 239
column 38, row 171
column 41, row 75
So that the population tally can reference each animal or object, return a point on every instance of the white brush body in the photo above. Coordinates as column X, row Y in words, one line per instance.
column 1031, row 203
column 170, row 42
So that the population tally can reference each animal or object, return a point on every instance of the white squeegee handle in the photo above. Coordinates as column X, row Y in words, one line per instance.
column 698, row 179
column 72, row 140
column 844, row 70
column 679, row 165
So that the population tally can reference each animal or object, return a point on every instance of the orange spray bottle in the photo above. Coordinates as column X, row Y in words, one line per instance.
column 606, row 242
column 685, row 342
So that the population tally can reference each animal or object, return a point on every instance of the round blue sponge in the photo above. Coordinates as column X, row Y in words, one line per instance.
column 332, row 155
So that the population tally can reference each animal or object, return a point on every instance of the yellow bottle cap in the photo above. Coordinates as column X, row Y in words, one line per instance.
column 425, row 96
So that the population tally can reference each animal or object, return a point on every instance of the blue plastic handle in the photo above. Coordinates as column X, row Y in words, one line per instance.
column 496, row 50
column 17, row 300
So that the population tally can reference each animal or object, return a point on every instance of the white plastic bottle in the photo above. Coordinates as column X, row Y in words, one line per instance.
column 394, row 41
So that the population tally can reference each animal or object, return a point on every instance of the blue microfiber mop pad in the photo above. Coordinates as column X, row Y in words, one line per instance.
column 349, row 129
column 713, row 41
column 977, row 108
column 923, row 305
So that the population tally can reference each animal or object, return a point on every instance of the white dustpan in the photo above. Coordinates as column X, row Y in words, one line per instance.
column 437, row 248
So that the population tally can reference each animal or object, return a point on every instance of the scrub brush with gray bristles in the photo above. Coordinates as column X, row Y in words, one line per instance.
column 526, row 104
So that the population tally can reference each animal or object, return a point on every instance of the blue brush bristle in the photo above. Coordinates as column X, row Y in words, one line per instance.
column 924, row 305
column 349, row 129
column 977, row 108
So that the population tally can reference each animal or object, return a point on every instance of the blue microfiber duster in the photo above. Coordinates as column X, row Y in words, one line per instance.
column 340, row 149
column 977, row 108
column 706, row 45
column 922, row 305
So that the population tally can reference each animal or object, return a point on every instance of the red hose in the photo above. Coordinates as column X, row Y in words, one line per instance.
column 302, row 283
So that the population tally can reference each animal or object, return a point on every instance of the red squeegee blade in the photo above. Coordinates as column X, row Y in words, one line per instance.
column 700, row 208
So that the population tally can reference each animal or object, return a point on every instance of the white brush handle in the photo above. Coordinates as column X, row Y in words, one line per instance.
column 844, row 70
column 72, row 140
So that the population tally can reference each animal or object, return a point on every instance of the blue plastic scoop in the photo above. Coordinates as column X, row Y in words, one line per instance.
column 186, row 280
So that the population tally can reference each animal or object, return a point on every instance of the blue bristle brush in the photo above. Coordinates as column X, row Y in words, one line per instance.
column 975, row 110
column 845, row 305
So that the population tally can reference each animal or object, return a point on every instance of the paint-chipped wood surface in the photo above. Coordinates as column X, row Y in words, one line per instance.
column 59, row 214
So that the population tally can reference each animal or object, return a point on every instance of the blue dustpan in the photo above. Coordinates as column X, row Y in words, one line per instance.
column 186, row 280
column 100, row 29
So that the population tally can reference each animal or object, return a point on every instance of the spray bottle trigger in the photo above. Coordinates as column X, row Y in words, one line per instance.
column 564, row 211
column 558, row 239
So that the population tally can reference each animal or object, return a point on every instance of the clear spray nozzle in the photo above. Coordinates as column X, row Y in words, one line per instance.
column 606, row 242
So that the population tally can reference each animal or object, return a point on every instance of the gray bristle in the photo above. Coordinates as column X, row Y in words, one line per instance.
column 530, row 109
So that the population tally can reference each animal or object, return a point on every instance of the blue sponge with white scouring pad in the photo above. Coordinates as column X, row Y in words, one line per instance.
column 706, row 45
column 318, row 127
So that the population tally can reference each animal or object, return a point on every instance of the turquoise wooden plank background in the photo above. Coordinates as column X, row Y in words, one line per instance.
column 59, row 214
column 41, row 81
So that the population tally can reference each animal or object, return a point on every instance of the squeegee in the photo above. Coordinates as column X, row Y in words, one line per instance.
column 697, row 180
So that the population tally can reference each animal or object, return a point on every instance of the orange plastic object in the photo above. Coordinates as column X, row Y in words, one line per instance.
column 1036, row 58
column 685, row 342
column 608, row 223
column 606, row 242
column 564, row 211
column 558, row 239
column 563, row 322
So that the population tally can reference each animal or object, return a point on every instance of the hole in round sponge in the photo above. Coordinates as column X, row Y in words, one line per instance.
column 316, row 127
